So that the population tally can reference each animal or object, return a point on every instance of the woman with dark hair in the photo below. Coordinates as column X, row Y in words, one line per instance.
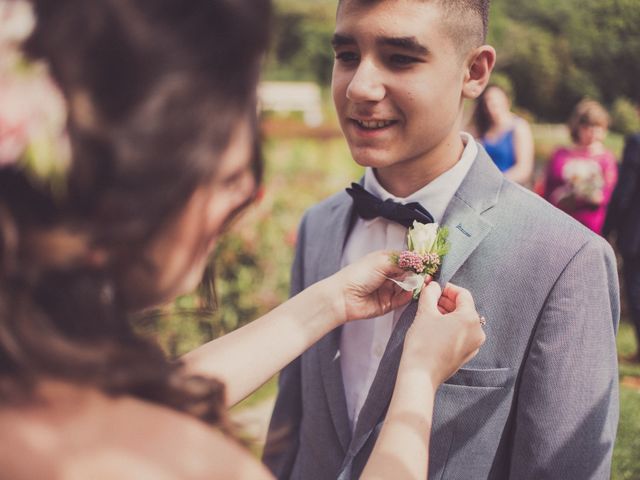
column 506, row 137
column 164, row 152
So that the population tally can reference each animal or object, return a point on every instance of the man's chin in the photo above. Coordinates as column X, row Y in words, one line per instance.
column 372, row 160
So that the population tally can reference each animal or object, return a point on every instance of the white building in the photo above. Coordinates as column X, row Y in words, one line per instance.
column 302, row 97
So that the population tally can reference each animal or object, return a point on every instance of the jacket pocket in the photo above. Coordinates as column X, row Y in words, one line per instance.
column 482, row 377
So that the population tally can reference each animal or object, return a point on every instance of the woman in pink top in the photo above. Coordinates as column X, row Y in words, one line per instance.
column 580, row 179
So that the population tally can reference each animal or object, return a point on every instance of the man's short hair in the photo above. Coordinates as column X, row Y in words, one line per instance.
column 466, row 20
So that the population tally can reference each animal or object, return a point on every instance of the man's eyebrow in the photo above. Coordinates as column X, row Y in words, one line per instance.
column 410, row 44
column 339, row 40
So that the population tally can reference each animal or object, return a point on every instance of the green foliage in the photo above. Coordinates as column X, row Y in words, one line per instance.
column 624, row 116
column 625, row 454
column 559, row 52
column 441, row 247
column 301, row 47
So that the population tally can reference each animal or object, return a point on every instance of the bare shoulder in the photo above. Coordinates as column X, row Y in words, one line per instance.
column 125, row 438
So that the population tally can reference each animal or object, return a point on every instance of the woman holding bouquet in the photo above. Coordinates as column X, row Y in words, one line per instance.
column 160, row 98
column 580, row 179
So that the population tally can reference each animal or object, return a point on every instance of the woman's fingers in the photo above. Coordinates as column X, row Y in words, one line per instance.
column 400, row 298
column 397, row 296
column 447, row 305
column 429, row 298
column 458, row 297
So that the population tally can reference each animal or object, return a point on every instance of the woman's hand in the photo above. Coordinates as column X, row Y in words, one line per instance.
column 363, row 289
column 445, row 334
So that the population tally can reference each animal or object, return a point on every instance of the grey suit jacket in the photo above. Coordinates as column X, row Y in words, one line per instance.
column 540, row 400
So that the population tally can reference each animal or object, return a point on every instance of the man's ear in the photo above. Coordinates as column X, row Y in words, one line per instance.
column 478, row 68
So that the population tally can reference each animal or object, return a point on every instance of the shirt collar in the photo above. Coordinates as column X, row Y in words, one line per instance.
column 436, row 195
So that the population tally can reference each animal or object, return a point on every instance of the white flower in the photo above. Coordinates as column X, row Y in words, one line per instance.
column 422, row 238
column 18, row 21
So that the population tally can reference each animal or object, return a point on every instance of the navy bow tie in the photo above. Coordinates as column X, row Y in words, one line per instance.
column 369, row 206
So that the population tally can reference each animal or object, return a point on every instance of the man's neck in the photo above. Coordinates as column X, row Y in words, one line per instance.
column 405, row 178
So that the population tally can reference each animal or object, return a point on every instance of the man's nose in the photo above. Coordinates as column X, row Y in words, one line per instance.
column 366, row 84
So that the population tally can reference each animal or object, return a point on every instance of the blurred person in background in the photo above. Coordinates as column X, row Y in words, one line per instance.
column 623, row 222
column 506, row 137
column 580, row 179
column 160, row 100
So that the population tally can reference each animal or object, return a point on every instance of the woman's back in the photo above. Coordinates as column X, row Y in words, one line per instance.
column 80, row 433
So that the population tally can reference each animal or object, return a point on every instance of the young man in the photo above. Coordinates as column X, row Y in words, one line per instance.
column 540, row 399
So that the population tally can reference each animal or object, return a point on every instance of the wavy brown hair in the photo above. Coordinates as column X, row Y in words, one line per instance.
column 481, row 119
column 154, row 90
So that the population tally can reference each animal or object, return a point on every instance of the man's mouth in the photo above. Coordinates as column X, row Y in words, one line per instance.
column 374, row 124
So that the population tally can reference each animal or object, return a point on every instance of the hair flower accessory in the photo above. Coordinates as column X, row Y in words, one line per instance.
column 33, row 113
column 427, row 245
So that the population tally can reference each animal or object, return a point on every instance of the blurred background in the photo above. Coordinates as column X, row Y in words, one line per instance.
column 550, row 56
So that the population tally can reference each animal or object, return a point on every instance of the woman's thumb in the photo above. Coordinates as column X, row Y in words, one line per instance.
column 429, row 297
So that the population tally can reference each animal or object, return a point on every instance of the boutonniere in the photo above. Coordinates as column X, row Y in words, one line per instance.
column 427, row 245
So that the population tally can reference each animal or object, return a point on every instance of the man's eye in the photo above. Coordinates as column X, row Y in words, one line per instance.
column 403, row 60
column 346, row 57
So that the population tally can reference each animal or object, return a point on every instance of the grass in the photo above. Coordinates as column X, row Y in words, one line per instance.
column 625, row 455
column 626, row 465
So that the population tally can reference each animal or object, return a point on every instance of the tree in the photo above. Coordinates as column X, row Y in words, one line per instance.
column 301, row 47
column 559, row 52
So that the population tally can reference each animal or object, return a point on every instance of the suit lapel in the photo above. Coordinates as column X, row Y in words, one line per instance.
column 328, row 349
column 466, row 230
column 477, row 194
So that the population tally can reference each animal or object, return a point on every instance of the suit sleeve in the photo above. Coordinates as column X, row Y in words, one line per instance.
column 282, row 441
column 566, row 410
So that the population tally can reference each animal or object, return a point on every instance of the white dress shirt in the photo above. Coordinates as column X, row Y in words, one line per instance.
column 363, row 342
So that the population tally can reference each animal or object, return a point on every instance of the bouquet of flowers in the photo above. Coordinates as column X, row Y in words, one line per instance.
column 427, row 245
column 584, row 179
